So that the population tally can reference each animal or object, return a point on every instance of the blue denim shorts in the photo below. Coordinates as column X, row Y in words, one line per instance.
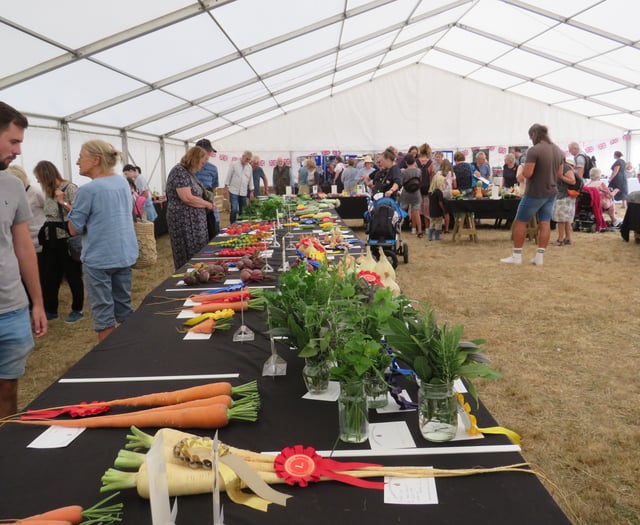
column 530, row 206
column 16, row 341
column 109, row 295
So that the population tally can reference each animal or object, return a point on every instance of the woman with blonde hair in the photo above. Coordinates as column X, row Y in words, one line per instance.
column 437, row 209
column 186, row 207
column 57, row 264
column 101, row 213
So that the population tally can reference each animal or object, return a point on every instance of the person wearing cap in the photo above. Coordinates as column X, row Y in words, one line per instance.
column 208, row 177
column 564, row 207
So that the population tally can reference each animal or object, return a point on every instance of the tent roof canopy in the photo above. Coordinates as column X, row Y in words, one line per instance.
column 183, row 70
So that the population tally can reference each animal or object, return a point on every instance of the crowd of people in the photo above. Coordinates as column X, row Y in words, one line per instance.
column 38, row 224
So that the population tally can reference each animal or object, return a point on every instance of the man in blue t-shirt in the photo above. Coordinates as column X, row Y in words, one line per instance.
column 208, row 177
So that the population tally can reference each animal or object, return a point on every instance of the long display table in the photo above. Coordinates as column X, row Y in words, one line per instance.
column 148, row 345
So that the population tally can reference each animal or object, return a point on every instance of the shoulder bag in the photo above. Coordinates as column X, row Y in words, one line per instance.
column 74, row 242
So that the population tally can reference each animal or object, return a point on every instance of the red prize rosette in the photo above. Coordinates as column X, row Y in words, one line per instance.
column 300, row 465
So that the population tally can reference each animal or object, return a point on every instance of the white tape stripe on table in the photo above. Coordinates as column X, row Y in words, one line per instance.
column 145, row 378
column 435, row 451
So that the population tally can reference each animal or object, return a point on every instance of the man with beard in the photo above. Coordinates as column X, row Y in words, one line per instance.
column 18, row 261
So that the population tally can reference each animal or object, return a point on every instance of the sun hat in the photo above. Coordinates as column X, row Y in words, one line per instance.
column 368, row 159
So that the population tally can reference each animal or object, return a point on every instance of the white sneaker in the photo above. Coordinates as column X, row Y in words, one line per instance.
column 538, row 260
column 514, row 259
column 413, row 231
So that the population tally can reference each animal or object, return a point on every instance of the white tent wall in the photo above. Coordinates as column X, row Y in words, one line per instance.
column 413, row 105
column 410, row 106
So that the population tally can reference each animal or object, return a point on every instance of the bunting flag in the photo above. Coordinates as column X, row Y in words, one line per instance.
column 588, row 146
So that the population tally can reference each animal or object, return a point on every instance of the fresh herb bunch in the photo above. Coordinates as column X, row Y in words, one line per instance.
column 270, row 207
column 302, row 309
column 437, row 355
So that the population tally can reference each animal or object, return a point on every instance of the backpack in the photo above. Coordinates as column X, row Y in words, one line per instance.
column 589, row 162
column 412, row 184
column 382, row 223
column 426, row 178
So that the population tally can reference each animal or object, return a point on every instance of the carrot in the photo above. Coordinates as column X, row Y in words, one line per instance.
column 208, row 326
column 186, row 394
column 75, row 514
column 236, row 306
column 219, row 297
column 45, row 521
column 206, row 401
column 211, row 416
column 71, row 513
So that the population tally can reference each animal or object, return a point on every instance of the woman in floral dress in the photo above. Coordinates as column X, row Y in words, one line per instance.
column 186, row 209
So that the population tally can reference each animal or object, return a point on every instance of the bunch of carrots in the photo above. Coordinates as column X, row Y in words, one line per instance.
column 76, row 515
column 204, row 406
column 209, row 322
column 239, row 301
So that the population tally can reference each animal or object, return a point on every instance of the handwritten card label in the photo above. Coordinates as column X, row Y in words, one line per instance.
column 410, row 491
column 191, row 336
column 392, row 435
column 55, row 437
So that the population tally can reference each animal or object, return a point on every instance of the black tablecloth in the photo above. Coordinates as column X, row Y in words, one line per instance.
column 631, row 220
column 352, row 207
column 148, row 344
column 485, row 208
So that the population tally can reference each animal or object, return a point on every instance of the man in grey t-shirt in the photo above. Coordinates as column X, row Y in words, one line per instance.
column 19, row 264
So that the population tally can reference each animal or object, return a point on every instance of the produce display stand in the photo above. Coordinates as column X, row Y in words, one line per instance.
column 148, row 346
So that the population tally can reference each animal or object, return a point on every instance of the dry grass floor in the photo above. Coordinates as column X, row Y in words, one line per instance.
column 565, row 335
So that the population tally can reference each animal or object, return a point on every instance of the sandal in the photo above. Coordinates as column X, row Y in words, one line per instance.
column 559, row 243
column 420, row 235
column 567, row 242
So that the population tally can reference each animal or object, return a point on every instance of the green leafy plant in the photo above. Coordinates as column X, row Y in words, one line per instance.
column 437, row 354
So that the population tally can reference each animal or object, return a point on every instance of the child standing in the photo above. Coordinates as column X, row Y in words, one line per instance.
column 436, row 206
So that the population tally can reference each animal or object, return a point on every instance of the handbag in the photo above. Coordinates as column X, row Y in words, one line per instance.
column 207, row 195
column 147, row 252
column 74, row 242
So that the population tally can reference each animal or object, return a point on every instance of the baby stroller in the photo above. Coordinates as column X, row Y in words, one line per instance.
column 383, row 224
column 588, row 216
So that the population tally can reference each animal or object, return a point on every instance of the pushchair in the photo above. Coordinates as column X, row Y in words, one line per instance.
column 589, row 216
column 383, row 224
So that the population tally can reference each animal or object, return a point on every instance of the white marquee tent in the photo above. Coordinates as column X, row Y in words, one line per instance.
column 293, row 77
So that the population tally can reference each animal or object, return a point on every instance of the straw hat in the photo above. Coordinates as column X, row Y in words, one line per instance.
column 368, row 159
column 570, row 161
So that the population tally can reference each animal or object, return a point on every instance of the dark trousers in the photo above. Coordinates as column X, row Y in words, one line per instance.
column 56, row 264
column 212, row 225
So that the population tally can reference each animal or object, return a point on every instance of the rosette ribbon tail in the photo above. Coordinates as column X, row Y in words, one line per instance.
column 331, row 469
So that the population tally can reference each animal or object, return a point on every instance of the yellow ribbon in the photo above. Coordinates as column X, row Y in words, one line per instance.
column 471, row 424
column 232, row 487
